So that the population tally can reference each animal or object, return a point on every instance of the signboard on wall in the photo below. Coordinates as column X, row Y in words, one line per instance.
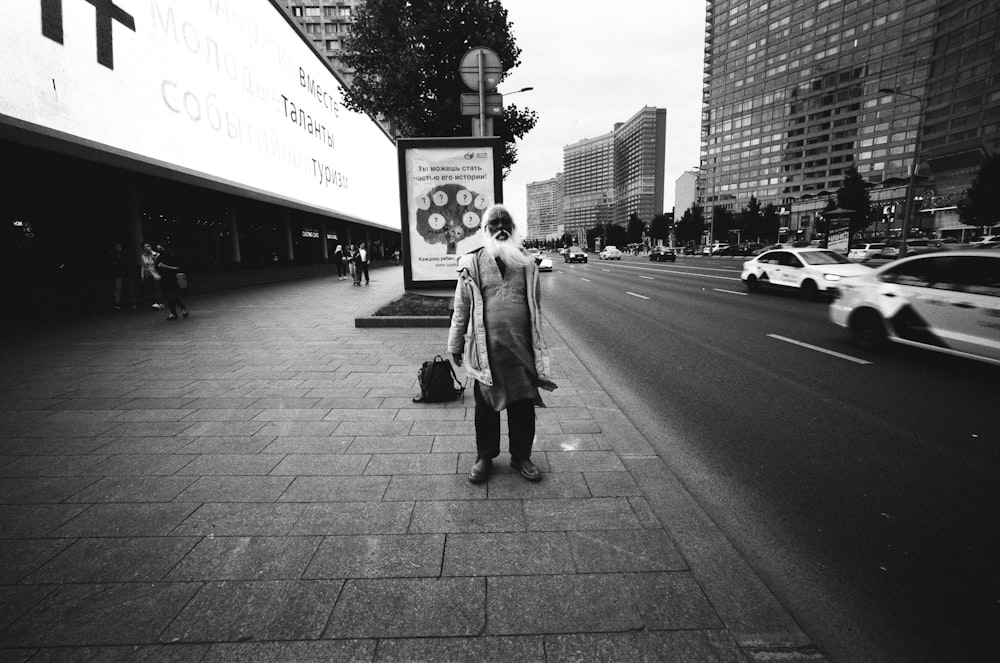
column 445, row 185
column 226, row 93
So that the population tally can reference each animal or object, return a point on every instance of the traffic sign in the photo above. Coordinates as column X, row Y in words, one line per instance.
column 470, row 104
column 492, row 69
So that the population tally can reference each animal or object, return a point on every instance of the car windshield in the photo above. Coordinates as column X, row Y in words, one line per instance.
column 823, row 258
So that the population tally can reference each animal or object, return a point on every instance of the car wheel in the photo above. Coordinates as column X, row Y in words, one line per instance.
column 868, row 330
column 809, row 289
column 753, row 285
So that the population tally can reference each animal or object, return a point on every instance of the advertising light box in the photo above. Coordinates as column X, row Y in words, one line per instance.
column 221, row 91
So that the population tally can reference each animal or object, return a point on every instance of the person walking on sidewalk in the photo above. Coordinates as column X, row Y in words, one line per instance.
column 498, row 309
column 148, row 275
column 168, row 268
column 123, row 273
column 364, row 259
column 338, row 257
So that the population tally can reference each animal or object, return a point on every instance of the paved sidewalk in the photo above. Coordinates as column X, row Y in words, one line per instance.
column 254, row 483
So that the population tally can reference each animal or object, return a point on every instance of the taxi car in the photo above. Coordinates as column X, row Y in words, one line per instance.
column 610, row 253
column 575, row 254
column 543, row 261
column 811, row 271
column 945, row 302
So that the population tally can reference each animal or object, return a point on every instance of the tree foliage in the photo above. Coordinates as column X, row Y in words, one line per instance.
column 982, row 207
column 636, row 227
column 659, row 227
column 752, row 220
column 406, row 55
column 853, row 195
column 723, row 222
column 692, row 225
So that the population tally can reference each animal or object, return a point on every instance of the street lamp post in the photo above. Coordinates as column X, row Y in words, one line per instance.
column 911, row 182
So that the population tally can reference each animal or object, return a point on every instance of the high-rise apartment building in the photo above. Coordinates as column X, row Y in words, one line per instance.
column 326, row 23
column 608, row 178
column 796, row 93
column 545, row 208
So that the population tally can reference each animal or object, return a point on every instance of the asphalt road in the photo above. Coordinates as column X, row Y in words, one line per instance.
column 863, row 487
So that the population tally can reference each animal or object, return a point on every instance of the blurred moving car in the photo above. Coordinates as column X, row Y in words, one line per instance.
column 864, row 252
column 810, row 271
column 946, row 302
column 662, row 254
column 713, row 249
column 610, row 253
column 575, row 254
column 543, row 261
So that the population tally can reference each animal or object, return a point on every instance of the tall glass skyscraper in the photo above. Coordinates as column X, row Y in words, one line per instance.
column 794, row 94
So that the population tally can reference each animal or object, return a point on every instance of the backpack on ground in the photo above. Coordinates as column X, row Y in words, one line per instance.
column 438, row 382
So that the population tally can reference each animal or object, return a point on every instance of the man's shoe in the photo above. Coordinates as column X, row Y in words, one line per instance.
column 480, row 470
column 527, row 469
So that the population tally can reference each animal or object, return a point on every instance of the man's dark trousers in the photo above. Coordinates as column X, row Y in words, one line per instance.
column 520, row 424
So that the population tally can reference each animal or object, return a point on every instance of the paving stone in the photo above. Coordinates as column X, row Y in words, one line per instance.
column 50, row 466
column 398, row 556
column 468, row 516
column 672, row 601
column 232, row 464
column 233, row 611
column 41, row 490
column 130, row 519
column 392, row 444
column 100, row 614
column 114, row 560
column 178, row 653
column 701, row 646
column 560, row 604
column 497, row 554
column 145, row 445
column 319, row 651
column 409, row 607
column 611, row 484
column 396, row 464
column 22, row 556
column 308, row 445
column 335, row 489
column 234, row 489
column 17, row 600
column 322, row 464
column 486, row 649
column 415, row 487
column 610, row 551
column 141, row 465
column 133, row 489
column 354, row 518
column 511, row 485
column 20, row 521
column 595, row 513
column 247, row 558
column 228, row 444
column 240, row 520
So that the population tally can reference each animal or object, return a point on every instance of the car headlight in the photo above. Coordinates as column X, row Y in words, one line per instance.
column 832, row 277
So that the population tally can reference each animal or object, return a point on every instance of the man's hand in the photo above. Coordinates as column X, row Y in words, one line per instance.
column 457, row 358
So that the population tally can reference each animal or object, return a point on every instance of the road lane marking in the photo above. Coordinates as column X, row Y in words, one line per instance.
column 583, row 279
column 648, row 278
column 818, row 349
column 731, row 292
column 635, row 295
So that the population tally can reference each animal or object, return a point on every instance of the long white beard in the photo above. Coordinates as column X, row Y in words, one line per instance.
column 506, row 250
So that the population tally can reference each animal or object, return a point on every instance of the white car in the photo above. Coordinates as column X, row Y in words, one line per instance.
column 543, row 261
column 610, row 253
column 864, row 252
column 946, row 302
column 811, row 271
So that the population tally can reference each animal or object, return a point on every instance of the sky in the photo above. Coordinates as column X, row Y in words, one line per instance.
column 593, row 64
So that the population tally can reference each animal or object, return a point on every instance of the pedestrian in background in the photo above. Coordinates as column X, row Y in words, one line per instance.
column 168, row 268
column 123, row 275
column 498, row 309
column 149, row 277
column 395, row 257
column 364, row 259
column 338, row 257
column 351, row 259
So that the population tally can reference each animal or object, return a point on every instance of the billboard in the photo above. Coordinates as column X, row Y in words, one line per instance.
column 223, row 92
column 445, row 186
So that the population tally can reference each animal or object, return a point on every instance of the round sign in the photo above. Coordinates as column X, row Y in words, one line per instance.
column 492, row 69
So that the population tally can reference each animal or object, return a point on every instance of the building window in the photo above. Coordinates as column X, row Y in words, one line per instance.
column 313, row 11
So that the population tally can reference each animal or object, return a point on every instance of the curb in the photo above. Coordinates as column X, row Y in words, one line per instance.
column 403, row 321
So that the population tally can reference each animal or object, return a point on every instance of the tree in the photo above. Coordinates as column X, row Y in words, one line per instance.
column 636, row 228
column 752, row 219
column 982, row 206
column 659, row 227
column 406, row 55
column 691, row 226
column 566, row 239
column 723, row 222
column 853, row 194
column 770, row 225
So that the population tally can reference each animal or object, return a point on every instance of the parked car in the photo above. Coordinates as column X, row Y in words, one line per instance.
column 811, row 271
column 865, row 252
column 610, row 253
column 575, row 254
column 769, row 247
column 689, row 250
column 946, row 302
column 913, row 247
column 662, row 254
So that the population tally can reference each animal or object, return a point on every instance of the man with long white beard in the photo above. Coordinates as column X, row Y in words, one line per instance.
column 497, row 324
